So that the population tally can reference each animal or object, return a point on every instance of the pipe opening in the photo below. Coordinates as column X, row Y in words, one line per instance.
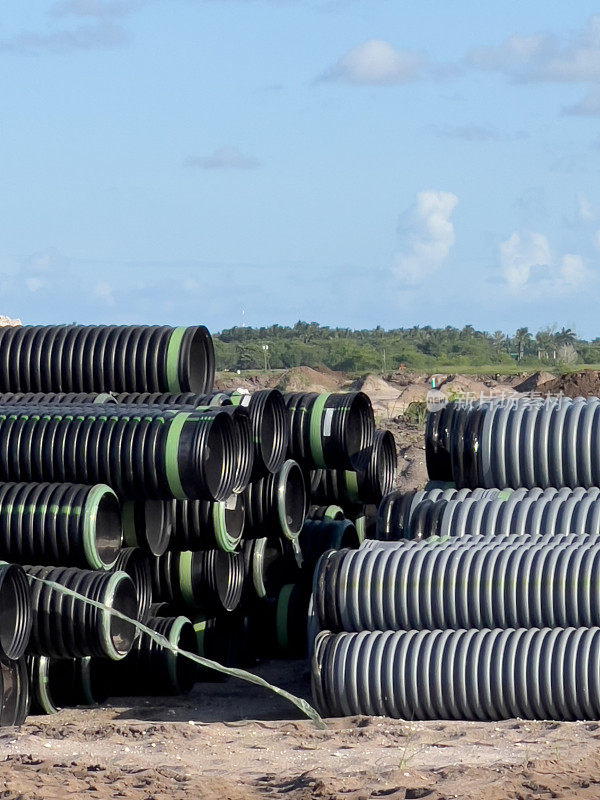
column 192, row 364
column 121, row 632
column 294, row 499
column 15, row 612
column 108, row 533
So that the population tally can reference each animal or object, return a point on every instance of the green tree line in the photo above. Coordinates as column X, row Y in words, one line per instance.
column 379, row 350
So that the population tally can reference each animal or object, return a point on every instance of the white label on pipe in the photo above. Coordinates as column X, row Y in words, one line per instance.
column 328, row 421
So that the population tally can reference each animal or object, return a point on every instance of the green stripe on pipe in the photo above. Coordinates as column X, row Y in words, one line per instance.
column 129, row 534
column 185, row 577
column 316, row 441
column 171, row 454
column 173, row 349
column 351, row 481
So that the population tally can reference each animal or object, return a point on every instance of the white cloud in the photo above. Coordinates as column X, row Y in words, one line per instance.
column 543, row 57
column 376, row 63
column 104, row 291
column 528, row 264
column 585, row 209
column 426, row 236
column 223, row 158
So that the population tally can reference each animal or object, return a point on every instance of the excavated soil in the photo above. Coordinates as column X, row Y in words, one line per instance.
column 234, row 742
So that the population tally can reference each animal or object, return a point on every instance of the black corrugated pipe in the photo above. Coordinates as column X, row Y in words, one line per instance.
column 393, row 516
column 330, row 430
column 15, row 692
column 56, row 398
column 465, row 674
column 276, row 504
column 244, row 447
column 137, row 564
column 16, row 611
column 102, row 358
column 157, row 454
column 60, row 524
column 202, row 525
column 67, row 682
column 64, row 626
column 153, row 669
column 211, row 580
column 267, row 411
column 148, row 524
column 270, row 429
column 437, row 447
column 368, row 486
column 269, row 563
column 317, row 536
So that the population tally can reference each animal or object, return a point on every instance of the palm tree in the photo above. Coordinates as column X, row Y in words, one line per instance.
column 522, row 339
column 564, row 337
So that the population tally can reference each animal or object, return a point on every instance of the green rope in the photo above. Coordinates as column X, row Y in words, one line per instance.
column 242, row 674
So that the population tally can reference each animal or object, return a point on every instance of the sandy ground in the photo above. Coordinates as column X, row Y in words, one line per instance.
column 231, row 741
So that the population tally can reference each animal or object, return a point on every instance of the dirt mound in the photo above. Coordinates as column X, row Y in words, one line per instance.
column 575, row 384
column 375, row 385
column 536, row 382
column 307, row 379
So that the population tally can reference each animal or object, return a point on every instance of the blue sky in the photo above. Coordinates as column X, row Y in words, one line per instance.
column 352, row 162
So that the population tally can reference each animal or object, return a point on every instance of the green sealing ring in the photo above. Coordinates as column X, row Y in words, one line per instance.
column 172, row 359
column 41, row 685
column 225, row 540
column 331, row 512
column 351, row 481
column 360, row 523
column 184, row 568
column 90, row 515
column 174, row 642
column 111, row 586
column 258, row 555
column 172, row 451
column 281, row 513
column 316, row 436
column 283, row 604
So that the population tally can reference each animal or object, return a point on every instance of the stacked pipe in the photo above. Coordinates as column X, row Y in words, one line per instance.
column 414, row 515
column 72, row 459
column 446, row 614
column 513, row 443
column 481, row 599
column 259, row 599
